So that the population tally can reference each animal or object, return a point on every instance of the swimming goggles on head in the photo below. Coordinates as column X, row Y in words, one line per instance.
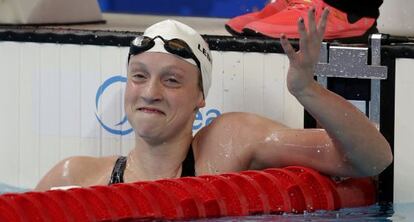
column 173, row 46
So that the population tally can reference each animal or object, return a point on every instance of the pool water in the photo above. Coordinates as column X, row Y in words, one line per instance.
column 397, row 212
column 5, row 188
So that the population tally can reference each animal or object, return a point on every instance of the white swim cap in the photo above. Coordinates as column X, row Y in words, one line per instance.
column 171, row 29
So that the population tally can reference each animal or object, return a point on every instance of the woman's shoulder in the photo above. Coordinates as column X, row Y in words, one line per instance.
column 77, row 171
column 238, row 135
column 85, row 166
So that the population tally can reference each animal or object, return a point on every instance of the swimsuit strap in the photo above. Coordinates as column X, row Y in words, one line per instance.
column 117, row 175
column 188, row 164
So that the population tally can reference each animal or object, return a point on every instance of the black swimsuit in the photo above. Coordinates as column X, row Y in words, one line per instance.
column 117, row 175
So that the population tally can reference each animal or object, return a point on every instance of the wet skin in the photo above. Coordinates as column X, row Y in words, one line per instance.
column 162, row 97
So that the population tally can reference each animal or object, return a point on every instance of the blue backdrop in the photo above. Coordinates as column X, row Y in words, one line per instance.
column 204, row 8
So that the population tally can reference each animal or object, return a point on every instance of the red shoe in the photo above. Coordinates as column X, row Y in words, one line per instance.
column 339, row 24
column 235, row 25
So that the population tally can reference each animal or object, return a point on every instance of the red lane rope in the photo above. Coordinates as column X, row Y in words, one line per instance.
column 291, row 189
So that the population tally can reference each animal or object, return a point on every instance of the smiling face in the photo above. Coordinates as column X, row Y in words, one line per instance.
column 161, row 96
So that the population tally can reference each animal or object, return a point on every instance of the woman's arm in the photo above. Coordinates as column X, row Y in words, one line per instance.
column 349, row 144
column 351, row 132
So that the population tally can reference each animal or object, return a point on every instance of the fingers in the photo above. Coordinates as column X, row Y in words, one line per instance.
column 322, row 22
column 311, row 19
column 287, row 47
column 312, row 28
column 302, row 33
column 312, row 33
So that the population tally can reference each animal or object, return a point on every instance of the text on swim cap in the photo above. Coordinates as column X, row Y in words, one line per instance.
column 204, row 51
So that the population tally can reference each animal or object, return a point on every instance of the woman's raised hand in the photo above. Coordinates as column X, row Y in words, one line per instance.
column 302, row 62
